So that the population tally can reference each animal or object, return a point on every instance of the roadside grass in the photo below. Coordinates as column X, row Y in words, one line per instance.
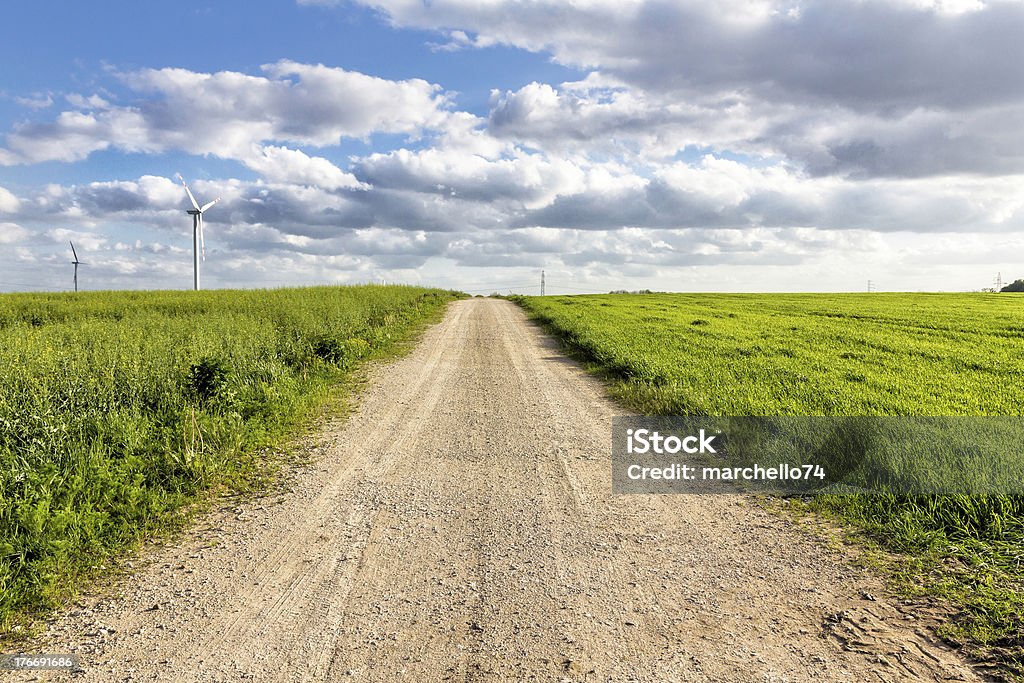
column 122, row 412
column 823, row 354
column 979, row 572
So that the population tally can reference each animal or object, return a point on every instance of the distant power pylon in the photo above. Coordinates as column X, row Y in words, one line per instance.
column 999, row 282
column 871, row 286
column 542, row 283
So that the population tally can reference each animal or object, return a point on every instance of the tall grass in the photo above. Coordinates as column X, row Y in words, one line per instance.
column 823, row 354
column 116, row 409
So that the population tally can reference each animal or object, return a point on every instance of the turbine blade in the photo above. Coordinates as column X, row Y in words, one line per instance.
column 73, row 250
column 192, row 199
column 207, row 206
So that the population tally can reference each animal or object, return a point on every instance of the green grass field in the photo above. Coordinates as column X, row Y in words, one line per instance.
column 824, row 354
column 118, row 409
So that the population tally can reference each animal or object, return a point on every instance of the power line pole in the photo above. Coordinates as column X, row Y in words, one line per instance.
column 999, row 282
column 871, row 286
column 542, row 283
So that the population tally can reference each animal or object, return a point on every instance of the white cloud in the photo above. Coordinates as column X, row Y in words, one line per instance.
column 8, row 202
column 587, row 118
column 283, row 165
column 35, row 101
column 91, row 102
column 594, row 115
column 859, row 87
column 929, row 53
column 12, row 233
column 299, row 103
column 85, row 241
column 530, row 180
column 101, row 200
column 632, row 231
column 226, row 113
column 74, row 135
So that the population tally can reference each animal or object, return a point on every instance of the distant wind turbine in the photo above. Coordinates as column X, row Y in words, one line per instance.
column 76, row 263
column 198, row 244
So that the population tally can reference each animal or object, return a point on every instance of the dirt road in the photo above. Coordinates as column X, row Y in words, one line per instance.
column 460, row 526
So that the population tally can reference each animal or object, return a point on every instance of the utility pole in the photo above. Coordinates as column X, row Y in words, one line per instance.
column 999, row 282
column 542, row 283
column 871, row 286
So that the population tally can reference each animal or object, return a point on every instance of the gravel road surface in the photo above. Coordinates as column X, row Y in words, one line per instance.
column 460, row 526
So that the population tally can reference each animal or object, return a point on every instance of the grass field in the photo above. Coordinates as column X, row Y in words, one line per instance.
column 118, row 409
column 820, row 354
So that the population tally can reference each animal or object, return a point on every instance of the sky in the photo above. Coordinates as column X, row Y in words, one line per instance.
column 674, row 145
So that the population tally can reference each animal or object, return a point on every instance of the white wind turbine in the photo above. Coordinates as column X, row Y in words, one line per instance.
column 76, row 263
column 198, row 244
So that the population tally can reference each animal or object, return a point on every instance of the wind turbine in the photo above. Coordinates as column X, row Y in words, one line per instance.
column 76, row 263
column 197, row 228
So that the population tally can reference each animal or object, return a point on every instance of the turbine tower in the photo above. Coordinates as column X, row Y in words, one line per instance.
column 198, row 244
column 76, row 263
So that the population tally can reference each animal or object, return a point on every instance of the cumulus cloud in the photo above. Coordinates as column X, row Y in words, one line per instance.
column 654, row 251
column 919, row 143
column 719, row 193
column 859, row 87
column 609, row 224
column 597, row 116
column 226, row 113
column 8, row 202
column 827, row 52
column 12, row 233
column 432, row 191
column 98, row 200
column 35, row 101
column 283, row 165
column 530, row 180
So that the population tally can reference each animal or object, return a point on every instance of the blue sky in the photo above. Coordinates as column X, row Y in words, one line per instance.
column 83, row 42
column 80, row 39
column 755, row 145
